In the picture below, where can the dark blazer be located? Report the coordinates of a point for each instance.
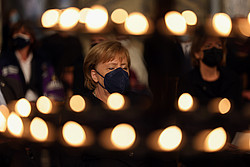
(42, 79)
(227, 86)
(11, 89)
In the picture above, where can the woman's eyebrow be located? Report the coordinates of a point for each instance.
(111, 63)
(124, 63)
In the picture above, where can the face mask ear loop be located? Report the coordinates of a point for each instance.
(98, 81)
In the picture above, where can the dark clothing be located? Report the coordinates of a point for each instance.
(164, 61)
(64, 50)
(99, 117)
(227, 86)
(193, 123)
(11, 89)
(91, 98)
(42, 79)
(135, 100)
(238, 58)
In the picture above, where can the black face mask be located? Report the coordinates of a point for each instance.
(19, 42)
(212, 57)
(116, 81)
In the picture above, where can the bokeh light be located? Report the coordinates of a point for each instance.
(224, 106)
(82, 14)
(119, 16)
(215, 140)
(242, 140)
(39, 129)
(15, 125)
(123, 136)
(73, 134)
(176, 23)
(248, 17)
(190, 17)
(185, 102)
(23, 107)
(243, 26)
(170, 138)
(44, 105)
(222, 24)
(115, 101)
(4, 110)
(4, 114)
(136, 24)
(96, 18)
(2, 122)
(69, 18)
(77, 103)
(50, 18)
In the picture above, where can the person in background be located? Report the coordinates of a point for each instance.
(10, 18)
(210, 79)
(97, 38)
(23, 62)
(65, 52)
(10, 89)
(238, 56)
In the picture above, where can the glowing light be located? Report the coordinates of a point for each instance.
(77, 103)
(83, 14)
(50, 18)
(2, 122)
(15, 125)
(176, 23)
(69, 18)
(23, 107)
(73, 134)
(119, 16)
(4, 114)
(244, 26)
(224, 106)
(222, 24)
(96, 18)
(44, 105)
(215, 140)
(242, 140)
(170, 138)
(4, 110)
(185, 102)
(136, 24)
(39, 129)
(190, 17)
(123, 136)
(115, 101)
(248, 17)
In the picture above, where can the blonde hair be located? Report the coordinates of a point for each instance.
(101, 53)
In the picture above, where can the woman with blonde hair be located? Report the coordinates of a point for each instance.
(106, 70)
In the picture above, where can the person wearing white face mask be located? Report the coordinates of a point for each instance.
(23, 62)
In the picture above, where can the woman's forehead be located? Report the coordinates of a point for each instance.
(117, 59)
